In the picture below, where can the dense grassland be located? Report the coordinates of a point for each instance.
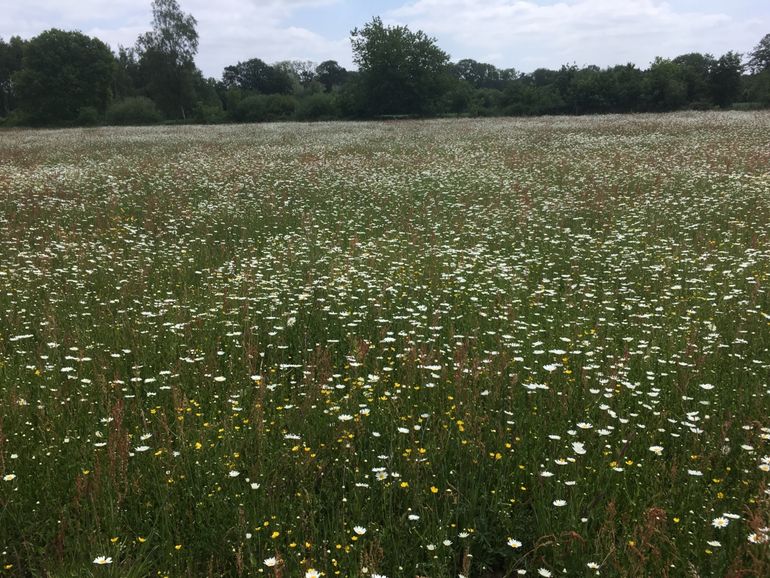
(477, 348)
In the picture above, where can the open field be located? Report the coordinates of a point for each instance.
(464, 347)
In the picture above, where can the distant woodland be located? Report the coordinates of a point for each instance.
(65, 78)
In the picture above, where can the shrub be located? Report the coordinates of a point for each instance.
(18, 118)
(264, 107)
(280, 106)
(88, 116)
(747, 106)
(250, 109)
(702, 105)
(208, 114)
(134, 110)
(320, 106)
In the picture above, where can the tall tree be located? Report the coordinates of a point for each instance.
(627, 82)
(62, 73)
(479, 74)
(664, 88)
(258, 76)
(759, 60)
(166, 58)
(695, 69)
(126, 73)
(10, 62)
(591, 90)
(725, 79)
(401, 72)
(300, 72)
(330, 74)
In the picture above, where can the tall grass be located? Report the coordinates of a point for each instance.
(485, 348)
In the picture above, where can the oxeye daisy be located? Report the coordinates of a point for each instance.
(720, 522)
(102, 560)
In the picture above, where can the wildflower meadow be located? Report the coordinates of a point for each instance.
(476, 348)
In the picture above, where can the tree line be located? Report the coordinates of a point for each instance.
(65, 78)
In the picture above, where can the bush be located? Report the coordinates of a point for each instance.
(133, 111)
(280, 106)
(485, 102)
(88, 116)
(208, 114)
(758, 88)
(702, 105)
(250, 109)
(457, 99)
(320, 106)
(351, 99)
(18, 118)
(264, 107)
(747, 106)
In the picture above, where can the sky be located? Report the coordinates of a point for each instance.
(520, 34)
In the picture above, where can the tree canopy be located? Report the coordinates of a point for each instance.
(759, 60)
(725, 78)
(173, 33)
(258, 76)
(402, 72)
(166, 66)
(66, 78)
(11, 53)
(61, 74)
(331, 75)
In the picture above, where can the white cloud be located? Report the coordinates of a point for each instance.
(229, 30)
(528, 35)
(233, 30)
(525, 34)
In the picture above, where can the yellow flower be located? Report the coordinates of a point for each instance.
(434, 490)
